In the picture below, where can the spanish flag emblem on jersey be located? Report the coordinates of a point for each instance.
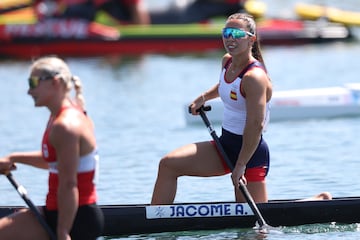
(233, 95)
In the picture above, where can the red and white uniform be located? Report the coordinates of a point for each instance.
(87, 168)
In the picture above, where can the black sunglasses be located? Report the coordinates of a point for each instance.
(34, 81)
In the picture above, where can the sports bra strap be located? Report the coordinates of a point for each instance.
(247, 68)
(251, 65)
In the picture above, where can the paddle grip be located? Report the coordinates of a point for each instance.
(204, 108)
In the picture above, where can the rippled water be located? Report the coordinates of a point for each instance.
(137, 106)
(308, 232)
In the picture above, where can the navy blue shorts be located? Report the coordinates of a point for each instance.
(88, 223)
(232, 145)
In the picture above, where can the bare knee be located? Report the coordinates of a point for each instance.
(324, 196)
(320, 196)
(166, 167)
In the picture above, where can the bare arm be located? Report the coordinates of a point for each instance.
(29, 158)
(255, 85)
(65, 138)
(199, 101)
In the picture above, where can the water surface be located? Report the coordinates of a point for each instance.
(137, 106)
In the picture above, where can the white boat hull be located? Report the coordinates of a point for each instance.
(300, 104)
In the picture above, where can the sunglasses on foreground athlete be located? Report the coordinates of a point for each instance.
(235, 33)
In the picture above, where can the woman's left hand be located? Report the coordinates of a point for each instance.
(6, 165)
(238, 175)
(64, 236)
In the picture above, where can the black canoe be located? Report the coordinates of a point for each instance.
(142, 219)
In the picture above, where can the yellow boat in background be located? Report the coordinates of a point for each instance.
(332, 14)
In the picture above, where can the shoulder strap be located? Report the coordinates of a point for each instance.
(251, 65)
(227, 63)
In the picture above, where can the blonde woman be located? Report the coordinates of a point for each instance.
(69, 152)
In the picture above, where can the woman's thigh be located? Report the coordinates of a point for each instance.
(21, 225)
(197, 159)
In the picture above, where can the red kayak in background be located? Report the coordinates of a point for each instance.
(23, 35)
(79, 38)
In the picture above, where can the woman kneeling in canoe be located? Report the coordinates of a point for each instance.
(69, 152)
(245, 89)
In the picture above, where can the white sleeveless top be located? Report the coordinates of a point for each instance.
(234, 116)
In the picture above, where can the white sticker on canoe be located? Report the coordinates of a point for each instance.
(198, 210)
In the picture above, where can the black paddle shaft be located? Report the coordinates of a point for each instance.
(22, 192)
(242, 186)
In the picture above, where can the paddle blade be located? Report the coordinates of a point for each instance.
(267, 229)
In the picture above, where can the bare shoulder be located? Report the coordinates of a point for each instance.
(69, 122)
(257, 82)
(72, 117)
(73, 128)
(225, 58)
(257, 76)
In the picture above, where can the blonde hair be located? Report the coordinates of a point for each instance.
(251, 27)
(55, 66)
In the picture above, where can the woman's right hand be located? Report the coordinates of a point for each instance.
(238, 174)
(63, 237)
(6, 165)
(196, 104)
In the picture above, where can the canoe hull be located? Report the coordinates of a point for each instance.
(144, 219)
(277, 213)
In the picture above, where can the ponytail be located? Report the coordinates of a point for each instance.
(79, 98)
(256, 52)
